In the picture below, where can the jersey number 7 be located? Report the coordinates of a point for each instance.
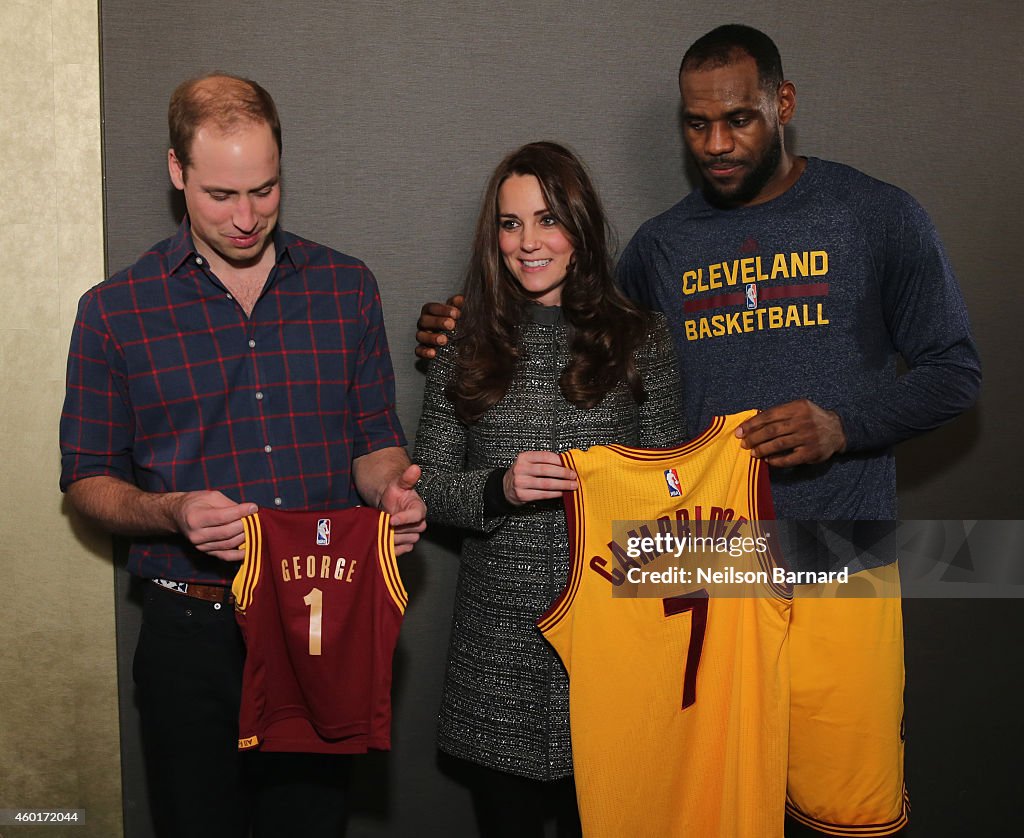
(697, 604)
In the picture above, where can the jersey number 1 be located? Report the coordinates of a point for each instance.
(315, 600)
(697, 604)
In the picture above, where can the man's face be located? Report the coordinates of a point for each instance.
(733, 131)
(232, 191)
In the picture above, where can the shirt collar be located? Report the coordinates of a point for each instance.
(182, 249)
(543, 315)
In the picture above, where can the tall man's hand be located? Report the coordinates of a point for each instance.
(436, 318)
(792, 434)
(406, 508)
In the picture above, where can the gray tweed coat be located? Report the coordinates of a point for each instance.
(506, 695)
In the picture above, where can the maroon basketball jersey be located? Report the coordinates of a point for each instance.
(319, 601)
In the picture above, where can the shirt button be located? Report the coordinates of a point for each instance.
(259, 395)
(199, 260)
(252, 343)
(229, 296)
(267, 448)
(277, 501)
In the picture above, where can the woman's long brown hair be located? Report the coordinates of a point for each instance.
(607, 327)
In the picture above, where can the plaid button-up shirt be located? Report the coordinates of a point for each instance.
(173, 388)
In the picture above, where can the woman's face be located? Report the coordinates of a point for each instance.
(534, 245)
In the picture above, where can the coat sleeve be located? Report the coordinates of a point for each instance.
(454, 495)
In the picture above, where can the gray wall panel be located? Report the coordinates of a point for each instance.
(394, 116)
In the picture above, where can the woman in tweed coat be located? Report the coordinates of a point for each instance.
(548, 356)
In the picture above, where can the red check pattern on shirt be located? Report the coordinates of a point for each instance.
(171, 387)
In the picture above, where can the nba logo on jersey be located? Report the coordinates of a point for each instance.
(323, 532)
(675, 488)
(751, 294)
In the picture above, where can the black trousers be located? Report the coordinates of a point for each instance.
(188, 676)
(510, 806)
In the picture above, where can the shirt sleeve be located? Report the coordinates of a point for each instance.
(97, 423)
(372, 387)
(453, 494)
(927, 320)
(632, 273)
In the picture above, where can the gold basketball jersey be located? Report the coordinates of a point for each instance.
(678, 689)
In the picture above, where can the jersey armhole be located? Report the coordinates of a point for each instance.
(576, 522)
(389, 563)
(762, 518)
(248, 575)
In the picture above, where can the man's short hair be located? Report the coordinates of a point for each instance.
(720, 46)
(225, 100)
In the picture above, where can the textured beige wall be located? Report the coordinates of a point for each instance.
(58, 698)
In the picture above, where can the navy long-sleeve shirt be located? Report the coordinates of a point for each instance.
(815, 295)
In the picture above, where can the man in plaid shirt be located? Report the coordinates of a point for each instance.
(233, 366)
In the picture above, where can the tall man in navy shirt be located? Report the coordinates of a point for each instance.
(793, 285)
(233, 366)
